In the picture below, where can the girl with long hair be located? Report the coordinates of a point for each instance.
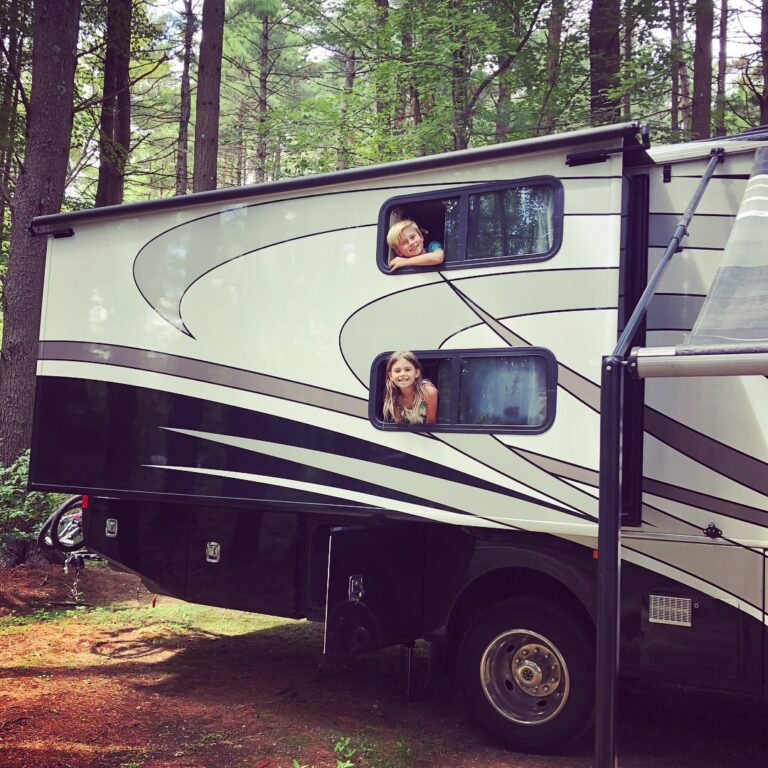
(408, 398)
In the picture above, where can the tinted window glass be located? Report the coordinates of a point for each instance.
(503, 391)
(451, 230)
(511, 222)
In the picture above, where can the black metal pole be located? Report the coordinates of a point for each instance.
(608, 562)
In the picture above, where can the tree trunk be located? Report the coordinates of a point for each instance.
(764, 60)
(721, 62)
(115, 122)
(343, 154)
(241, 162)
(382, 16)
(503, 109)
(701, 115)
(182, 143)
(276, 164)
(629, 29)
(604, 58)
(39, 191)
(208, 86)
(674, 51)
(9, 103)
(547, 116)
(263, 105)
(460, 79)
(685, 84)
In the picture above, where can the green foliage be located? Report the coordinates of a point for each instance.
(22, 512)
(351, 752)
(345, 752)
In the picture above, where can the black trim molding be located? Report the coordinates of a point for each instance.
(43, 225)
(378, 375)
(459, 260)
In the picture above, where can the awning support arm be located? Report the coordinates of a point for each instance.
(622, 345)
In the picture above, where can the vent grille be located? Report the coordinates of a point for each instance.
(669, 610)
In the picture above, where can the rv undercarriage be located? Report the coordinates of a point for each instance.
(517, 606)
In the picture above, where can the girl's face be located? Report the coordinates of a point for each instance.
(411, 242)
(403, 373)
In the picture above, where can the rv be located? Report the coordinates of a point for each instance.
(212, 375)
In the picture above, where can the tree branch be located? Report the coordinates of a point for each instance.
(16, 76)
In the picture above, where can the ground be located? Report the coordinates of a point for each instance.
(100, 674)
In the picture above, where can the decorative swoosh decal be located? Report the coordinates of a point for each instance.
(463, 496)
(167, 266)
(692, 498)
(201, 370)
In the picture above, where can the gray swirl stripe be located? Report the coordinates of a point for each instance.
(199, 370)
(582, 389)
(738, 466)
(727, 461)
(686, 496)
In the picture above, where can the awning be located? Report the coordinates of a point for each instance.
(730, 336)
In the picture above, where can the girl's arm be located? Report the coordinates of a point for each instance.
(431, 398)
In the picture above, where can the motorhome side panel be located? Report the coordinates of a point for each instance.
(227, 353)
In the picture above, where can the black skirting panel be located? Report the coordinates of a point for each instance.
(106, 438)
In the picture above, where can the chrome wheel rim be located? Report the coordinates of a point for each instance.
(524, 677)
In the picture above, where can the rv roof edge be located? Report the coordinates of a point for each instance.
(44, 225)
(670, 362)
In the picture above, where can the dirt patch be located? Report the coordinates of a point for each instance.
(38, 585)
(122, 684)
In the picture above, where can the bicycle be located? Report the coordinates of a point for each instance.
(63, 530)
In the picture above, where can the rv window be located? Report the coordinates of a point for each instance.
(520, 221)
(510, 222)
(480, 391)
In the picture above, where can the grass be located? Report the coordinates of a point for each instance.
(212, 738)
(178, 616)
(351, 752)
(171, 624)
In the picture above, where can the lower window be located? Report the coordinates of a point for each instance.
(509, 390)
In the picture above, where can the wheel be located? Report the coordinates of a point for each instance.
(66, 526)
(526, 668)
(44, 543)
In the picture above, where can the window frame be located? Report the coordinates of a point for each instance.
(377, 374)
(462, 193)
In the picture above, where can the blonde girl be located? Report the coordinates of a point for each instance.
(408, 398)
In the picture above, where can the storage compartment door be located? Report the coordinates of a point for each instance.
(375, 587)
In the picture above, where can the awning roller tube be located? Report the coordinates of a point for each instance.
(657, 362)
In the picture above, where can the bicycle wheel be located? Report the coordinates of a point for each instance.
(66, 528)
(44, 542)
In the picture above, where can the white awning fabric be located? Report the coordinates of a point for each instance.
(730, 336)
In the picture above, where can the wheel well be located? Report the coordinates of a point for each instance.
(498, 585)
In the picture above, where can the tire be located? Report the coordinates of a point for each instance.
(66, 526)
(526, 669)
(44, 543)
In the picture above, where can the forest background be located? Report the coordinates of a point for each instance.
(111, 101)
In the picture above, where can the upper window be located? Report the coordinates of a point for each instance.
(481, 224)
(509, 390)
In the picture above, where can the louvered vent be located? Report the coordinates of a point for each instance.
(669, 610)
